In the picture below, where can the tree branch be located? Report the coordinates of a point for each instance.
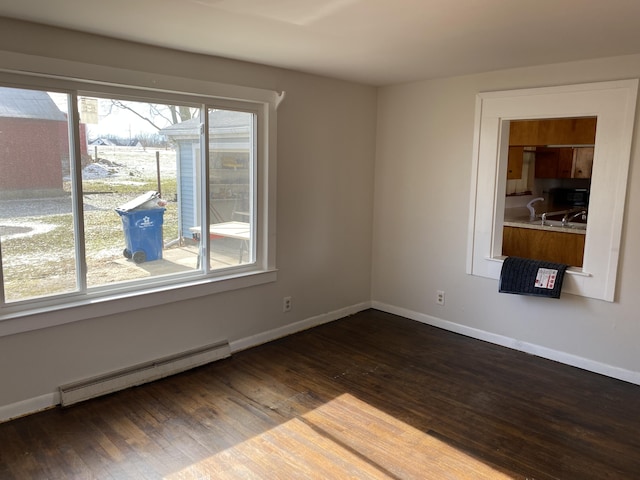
(122, 105)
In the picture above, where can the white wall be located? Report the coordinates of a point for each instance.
(326, 148)
(423, 172)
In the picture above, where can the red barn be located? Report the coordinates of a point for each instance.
(34, 144)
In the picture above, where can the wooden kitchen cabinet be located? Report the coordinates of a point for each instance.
(546, 163)
(582, 162)
(567, 248)
(514, 165)
(554, 162)
(553, 131)
(565, 162)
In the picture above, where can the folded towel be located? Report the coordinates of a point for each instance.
(524, 276)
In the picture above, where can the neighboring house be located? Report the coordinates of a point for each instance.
(34, 152)
(102, 142)
(229, 144)
(105, 142)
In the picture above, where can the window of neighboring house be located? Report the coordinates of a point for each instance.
(612, 105)
(105, 195)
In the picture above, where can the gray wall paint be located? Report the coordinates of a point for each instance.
(326, 143)
(423, 173)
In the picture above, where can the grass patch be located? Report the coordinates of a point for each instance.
(45, 264)
(169, 187)
(44, 261)
(38, 249)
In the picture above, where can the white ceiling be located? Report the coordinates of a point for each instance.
(377, 42)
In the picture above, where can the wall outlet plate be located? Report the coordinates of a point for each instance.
(286, 304)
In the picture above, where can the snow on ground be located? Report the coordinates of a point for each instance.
(12, 229)
(97, 170)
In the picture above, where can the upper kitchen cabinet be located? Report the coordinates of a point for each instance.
(553, 162)
(553, 131)
(514, 164)
(582, 162)
(563, 162)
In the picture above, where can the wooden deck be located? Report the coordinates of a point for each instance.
(177, 260)
(371, 396)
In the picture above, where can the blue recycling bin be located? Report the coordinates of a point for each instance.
(142, 233)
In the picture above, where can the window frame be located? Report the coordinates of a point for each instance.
(26, 72)
(614, 104)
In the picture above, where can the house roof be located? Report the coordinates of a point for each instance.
(21, 103)
(226, 123)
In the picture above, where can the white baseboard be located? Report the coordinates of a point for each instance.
(533, 349)
(29, 406)
(49, 400)
(291, 328)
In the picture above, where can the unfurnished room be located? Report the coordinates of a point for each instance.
(282, 239)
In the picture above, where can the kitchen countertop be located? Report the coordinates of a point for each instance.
(519, 218)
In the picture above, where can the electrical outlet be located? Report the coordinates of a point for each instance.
(440, 297)
(286, 304)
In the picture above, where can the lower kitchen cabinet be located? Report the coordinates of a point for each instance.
(567, 248)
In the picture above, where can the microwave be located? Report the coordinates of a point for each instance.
(569, 197)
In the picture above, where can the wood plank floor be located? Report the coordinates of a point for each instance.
(371, 396)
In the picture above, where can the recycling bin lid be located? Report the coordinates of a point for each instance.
(138, 201)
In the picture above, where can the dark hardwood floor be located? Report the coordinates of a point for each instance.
(369, 396)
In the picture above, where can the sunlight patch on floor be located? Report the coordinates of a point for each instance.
(344, 438)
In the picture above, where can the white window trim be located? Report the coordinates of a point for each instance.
(29, 70)
(614, 103)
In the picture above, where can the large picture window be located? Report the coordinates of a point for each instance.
(104, 194)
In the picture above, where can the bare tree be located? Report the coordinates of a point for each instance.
(158, 116)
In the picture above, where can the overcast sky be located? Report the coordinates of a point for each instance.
(114, 121)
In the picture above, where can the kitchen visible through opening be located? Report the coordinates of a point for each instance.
(548, 183)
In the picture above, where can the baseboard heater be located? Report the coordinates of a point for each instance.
(142, 373)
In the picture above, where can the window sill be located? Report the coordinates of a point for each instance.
(91, 307)
(570, 271)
